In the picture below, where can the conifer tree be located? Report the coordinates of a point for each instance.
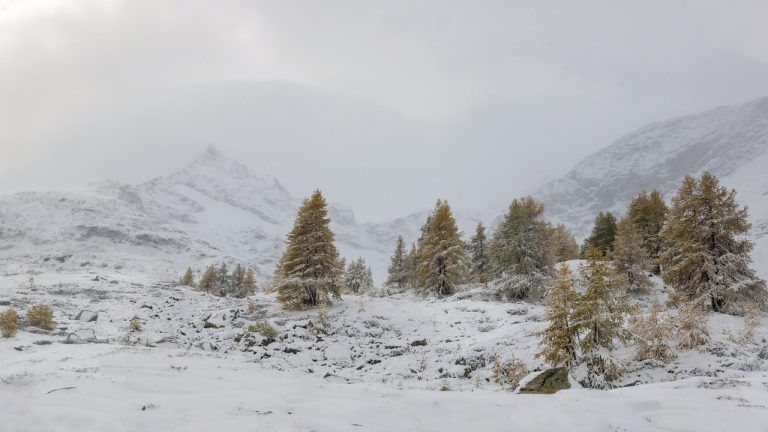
(559, 340)
(602, 236)
(309, 273)
(188, 279)
(519, 250)
(600, 311)
(480, 265)
(442, 265)
(358, 277)
(249, 282)
(707, 253)
(208, 280)
(563, 246)
(692, 330)
(223, 281)
(398, 271)
(648, 212)
(652, 332)
(412, 266)
(630, 256)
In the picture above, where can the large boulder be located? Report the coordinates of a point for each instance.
(548, 382)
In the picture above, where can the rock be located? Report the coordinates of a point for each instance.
(208, 324)
(548, 382)
(763, 354)
(42, 342)
(5, 302)
(422, 342)
(87, 316)
(291, 350)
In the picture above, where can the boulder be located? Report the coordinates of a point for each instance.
(548, 382)
(87, 316)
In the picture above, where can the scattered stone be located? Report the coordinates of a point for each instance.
(87, 316)
(548, 382)
(422, 342)
(763, 354)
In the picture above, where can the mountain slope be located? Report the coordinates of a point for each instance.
(214, 209)
(731, 142)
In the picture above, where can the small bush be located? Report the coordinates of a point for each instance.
(9, 323)
(509, 374)
(41, 316)
(264, 329)
(135, 324)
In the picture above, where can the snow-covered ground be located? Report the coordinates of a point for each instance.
(395, 363)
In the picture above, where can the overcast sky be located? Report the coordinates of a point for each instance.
(385, 105)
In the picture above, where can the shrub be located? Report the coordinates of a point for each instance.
(264, 329)
(41, 316)
(509, 374)
(135, 324)
(9, 322)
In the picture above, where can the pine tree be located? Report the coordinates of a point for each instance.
(188, 279)
(519, 250)
(358, 277)
(562, 245)
(208, 280)
(648, 212)
(442, 265)
(238, 287)
(652, 332)
(309, 274)
(602, 236)
(249, 282)
(630, 257)
(559, 340)
(707, 253)
(480, 265)
(398, 271)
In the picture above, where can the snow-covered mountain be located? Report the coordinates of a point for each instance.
(731, 142)
(214, 209)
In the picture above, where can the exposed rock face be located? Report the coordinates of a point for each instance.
(548, 382)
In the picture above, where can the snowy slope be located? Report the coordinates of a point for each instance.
(214, 209)
(731, 142)
(179, 373)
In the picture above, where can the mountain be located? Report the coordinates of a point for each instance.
(731, 142)
(214, 209)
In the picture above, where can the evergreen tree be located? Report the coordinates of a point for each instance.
(480, 265)
(398, 271)
(600, 311)
(188, 279)
(309, 272)
(630, 256)
(599, 314)
(249, 282)
(208, 280)
(602, 236)
(412, 266)
(692, 328)
(707, 253)
(648, 212)
(652, 332)
(562, 245)
(519, 250)
(442, 265)
(238, 280)
(223, 281)
(559, 340)
(358, 277)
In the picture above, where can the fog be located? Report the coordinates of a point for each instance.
(385, 106)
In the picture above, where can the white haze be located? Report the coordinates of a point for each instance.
(384, 105)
